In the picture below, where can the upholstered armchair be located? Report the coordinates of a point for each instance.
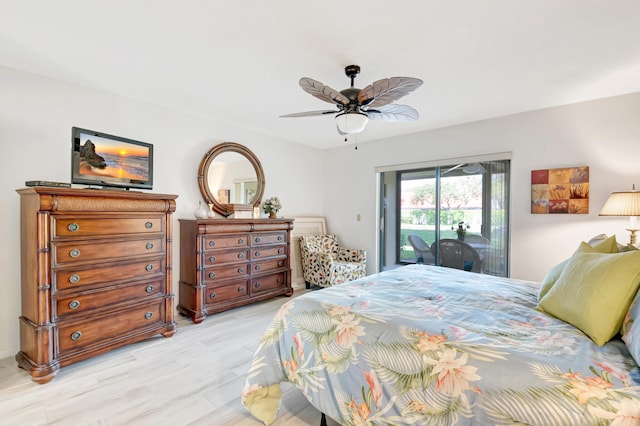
(325, 262)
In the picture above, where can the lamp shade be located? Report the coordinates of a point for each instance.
(351, 122)
(622, 204)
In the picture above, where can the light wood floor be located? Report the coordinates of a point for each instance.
(193, 378)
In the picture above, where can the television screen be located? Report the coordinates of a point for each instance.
(106, 160)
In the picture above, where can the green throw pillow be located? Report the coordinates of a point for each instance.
(606, 245)
(594, 291)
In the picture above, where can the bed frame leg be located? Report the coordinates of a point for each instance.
(323, 420)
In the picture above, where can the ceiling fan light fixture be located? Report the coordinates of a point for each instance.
(351, 122)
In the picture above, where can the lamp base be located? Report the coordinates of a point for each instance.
(632, 236)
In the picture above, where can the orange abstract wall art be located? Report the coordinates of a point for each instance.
(564, 190)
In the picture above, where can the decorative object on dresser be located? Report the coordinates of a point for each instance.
(272, 206)
(201, 212)
(96, 273)
(226, 263)
(234, 166)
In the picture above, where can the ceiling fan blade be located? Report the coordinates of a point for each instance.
(310, 113)
(393, 112)
(387, 90)
(322, 92)
(452, 168)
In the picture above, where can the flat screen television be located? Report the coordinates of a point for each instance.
(111, 161)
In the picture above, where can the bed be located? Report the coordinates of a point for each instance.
(426, 345)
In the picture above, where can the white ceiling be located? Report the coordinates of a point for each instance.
(240, 61)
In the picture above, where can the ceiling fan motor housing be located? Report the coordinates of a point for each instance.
(352, 94)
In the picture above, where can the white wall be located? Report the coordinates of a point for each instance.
(36, 116)
(602, 134)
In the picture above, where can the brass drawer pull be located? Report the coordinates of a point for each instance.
(149, 267)
(240, 270)
(280, 251)
(257, 285)
(212, 295)
(212, 243)
(280, 238)
(240, 255)
(149, 246)
(148, 315)
(240, 289)
(240, 241)
(212, 259)
(76, 335)
(281, 263)
(74, 279)
(257, 267)
(257, 254)
(149, 289)
(73, 227)
(148, 225)
(74, 304)
(212, 274)
(257, 239)
(74, 253)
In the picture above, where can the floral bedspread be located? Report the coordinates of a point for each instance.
(423, 345)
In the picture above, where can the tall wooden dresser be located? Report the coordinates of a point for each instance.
(226, 263)
(96, 273)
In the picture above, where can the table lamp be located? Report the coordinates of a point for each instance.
(624, 204)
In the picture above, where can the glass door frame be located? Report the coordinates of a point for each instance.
(384, 204)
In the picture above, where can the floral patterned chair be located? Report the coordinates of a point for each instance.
(326, 263)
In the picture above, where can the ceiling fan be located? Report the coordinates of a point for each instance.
(356, 107)
(469, 168)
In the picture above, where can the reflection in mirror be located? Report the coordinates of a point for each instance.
(231, 178)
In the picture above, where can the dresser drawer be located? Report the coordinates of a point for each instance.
(210, 258)
(269, 251)
(214, 295)
(235, 271)
(84, 227)
(268, 265)
(268, 238)
(77, 335)
(79, 251)
(81, 303)
(108, 274)
(225, 241)
(268, 282)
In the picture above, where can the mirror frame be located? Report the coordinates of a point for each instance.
(203, 179)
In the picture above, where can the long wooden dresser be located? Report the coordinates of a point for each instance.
(226, 263)
(96, 273)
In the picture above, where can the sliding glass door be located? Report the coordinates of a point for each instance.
(467, 202)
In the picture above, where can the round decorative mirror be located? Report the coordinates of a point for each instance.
(231, 178)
